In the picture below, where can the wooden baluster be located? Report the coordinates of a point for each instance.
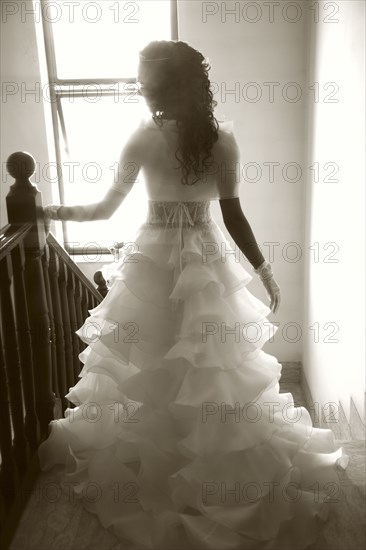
(41, 343)
(78, 308)
(9, 478)
(24, 205)
(84, 302)
(59, 329)
(66, 324)
(12, 365)
(84, 306)
(57, 413)
(79, 311)
(25, 347)
(91, 301)
(72, 312)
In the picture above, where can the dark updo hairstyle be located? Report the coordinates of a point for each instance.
(178, 83)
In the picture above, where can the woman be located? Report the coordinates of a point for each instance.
(179, 425)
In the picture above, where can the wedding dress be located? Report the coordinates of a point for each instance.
(180, 438)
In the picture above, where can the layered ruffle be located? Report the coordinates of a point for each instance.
(179, 437)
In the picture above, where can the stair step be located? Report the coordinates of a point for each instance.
(291, 371)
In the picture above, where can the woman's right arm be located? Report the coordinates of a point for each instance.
(240, 230)
(228, 156)
(242, 234)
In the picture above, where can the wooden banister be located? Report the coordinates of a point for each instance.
(44, 299)
(12, 236)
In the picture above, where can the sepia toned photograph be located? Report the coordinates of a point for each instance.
(182, 275)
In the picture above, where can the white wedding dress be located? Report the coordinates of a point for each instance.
(180, 438)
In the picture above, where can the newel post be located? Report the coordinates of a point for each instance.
(24, 200)
(24, 205)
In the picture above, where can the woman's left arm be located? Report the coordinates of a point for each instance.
(102, 210)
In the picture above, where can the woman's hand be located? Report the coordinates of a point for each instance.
(273, 290)
(50, 213)
(274, 293)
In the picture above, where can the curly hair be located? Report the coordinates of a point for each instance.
(178, 84)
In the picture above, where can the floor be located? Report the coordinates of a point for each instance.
(65, 525)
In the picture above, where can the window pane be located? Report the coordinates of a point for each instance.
(102, 39)
(96, 133)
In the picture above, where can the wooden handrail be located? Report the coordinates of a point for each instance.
(11, 236)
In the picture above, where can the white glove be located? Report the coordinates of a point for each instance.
(50, 213)
(273, 290)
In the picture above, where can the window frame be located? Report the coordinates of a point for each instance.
(60, 88)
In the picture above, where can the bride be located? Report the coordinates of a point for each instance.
(179, 438)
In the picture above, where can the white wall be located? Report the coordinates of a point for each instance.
(241, 52)
(25, 116)
(334, 292)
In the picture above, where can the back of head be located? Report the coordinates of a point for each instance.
(174, 81)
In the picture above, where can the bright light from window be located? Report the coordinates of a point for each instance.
(102, 39)
(96, 41)
(97, 132)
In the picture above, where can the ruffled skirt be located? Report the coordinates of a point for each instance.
(180, 438)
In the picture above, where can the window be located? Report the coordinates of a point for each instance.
(92, 58)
